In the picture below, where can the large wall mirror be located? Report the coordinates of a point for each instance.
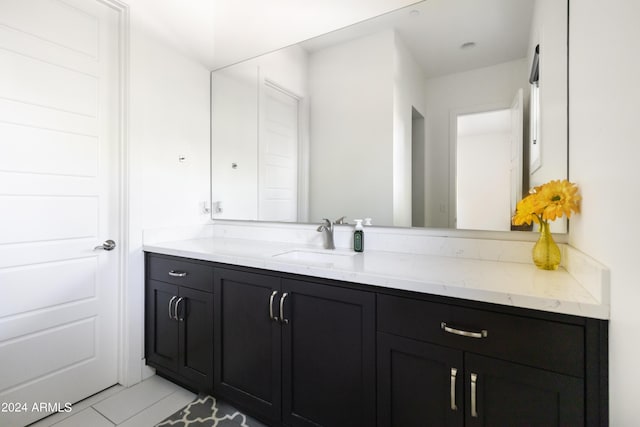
(441, 114)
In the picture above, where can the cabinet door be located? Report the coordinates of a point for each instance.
(419, 384)
(247, 342)
(507, 394)
(195, 313)
(328, 356)
(161, 335)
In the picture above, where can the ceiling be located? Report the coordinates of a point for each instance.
(435, 30)
(217, 33)
(221, 32)
(248, 28)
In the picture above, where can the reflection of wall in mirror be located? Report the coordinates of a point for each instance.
(351, 164)
(363, 93)
(233, 158)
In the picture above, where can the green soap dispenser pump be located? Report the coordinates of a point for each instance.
(358, 236)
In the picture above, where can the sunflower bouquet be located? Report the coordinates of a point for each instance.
(546, 203)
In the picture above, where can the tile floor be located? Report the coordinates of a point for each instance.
(142, 405)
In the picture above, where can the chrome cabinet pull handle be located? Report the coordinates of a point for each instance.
(454, 372)
(175, 309)
(171, 302)
(282, 318)
(180, 313)
(471, 334)
(174, 273)
(271, 316)
(474, 408)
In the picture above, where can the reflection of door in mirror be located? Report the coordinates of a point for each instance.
(277, 154)
(489, 167)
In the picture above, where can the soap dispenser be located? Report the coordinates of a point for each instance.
(358, 236)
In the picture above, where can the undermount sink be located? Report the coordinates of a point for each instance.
(317, 257)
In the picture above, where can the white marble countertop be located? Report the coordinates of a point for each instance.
(508, 283)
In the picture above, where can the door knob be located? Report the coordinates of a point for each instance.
(108, 245)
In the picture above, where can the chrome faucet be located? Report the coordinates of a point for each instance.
(327, 228)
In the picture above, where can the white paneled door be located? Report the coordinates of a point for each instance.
(278, 154)
(60, 133)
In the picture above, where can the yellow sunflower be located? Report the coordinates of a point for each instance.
(556, 198)
(525, 211)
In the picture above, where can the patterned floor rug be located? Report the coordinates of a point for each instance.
(207, 411)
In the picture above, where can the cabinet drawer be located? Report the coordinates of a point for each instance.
(550, 345)
(180, 272)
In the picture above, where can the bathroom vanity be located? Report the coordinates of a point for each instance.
(298, 336)
(422, 328)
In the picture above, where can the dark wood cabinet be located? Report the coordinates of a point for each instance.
(161, 331)
(195, 337)
(463, 367)
(295, 352)
(419, 384)
(247, 342)
(328, 357)
(179, 326)
(509, 394)
(300, 352)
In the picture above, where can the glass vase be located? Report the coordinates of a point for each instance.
(546, 253)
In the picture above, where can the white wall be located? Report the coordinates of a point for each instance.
(187, 27)
(351, 130)
(603, 107)
(491, 86)
(169, 116)
(549, 30)
(409, 90)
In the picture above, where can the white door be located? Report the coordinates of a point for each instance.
(59, 192)
(277, 155)
(483, 164)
